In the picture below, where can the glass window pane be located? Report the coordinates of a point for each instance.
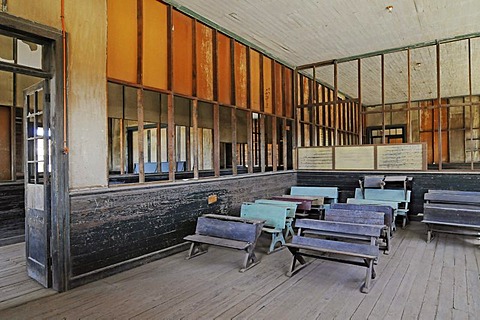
(6, 87)
(6, 49)
(29, 54)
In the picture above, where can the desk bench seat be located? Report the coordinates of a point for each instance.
(398, 199)
(348, 214)
(343, 250)
(275, 218)
(226, 231)
(452, 211)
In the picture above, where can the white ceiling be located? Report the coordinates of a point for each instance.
(300, 32)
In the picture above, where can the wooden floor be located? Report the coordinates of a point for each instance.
(417, 280)
(15, 285)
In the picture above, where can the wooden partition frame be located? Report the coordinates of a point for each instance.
(206, 53)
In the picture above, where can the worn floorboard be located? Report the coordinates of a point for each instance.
(439, 280)
(16, 287)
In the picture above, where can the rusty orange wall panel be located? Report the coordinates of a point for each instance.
(288, 92)
(182, 53)
(306, 90)
(332, 108)
(427, 137)
(224, 64)
(155, 49)
(278, 89)
(5, 144)
(267, 85)
(444, 116)
(204, 51)
(444, 146)
(426, 116)
(122, 40)
(254, 80)
(240, 75)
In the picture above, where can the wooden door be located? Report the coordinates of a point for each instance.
(37, 182)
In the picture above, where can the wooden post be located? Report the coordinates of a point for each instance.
(171, 139)
(216, 139)
(285, 144)
(159, 143)
(261, 118)
(313, 119)
(249, 142)
(360, 106)
(122, 146)
(335, 102)
(383, 98)
(295, 115)
(409, 97)
(234, 140)
(439, 108)
(471, 103)
(141, 153)
(274, 144)
(194, 144)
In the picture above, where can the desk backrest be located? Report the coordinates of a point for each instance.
(291, 206)
(386, 210)
(302, 203)
(339, 227)
(387, 195)
(373, 181)
(228, 229)
(452, 196)
(325, 192)
(274, 216)
(392, 204)
(355, 216)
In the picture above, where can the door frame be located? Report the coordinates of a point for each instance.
(53, 73)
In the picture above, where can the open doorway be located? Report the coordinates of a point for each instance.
(30, 164)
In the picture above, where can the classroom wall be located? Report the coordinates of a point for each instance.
(110, 226)
(86, 23)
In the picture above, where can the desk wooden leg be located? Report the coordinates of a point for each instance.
(296, 257)
(196, 249)
(429, 235)
(368, 278)
(387, 241)
(250, 260)
(276, 237)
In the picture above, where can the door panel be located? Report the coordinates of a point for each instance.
(37, 182)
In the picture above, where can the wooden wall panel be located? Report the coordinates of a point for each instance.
(426, 116)
(427, 137)
(306, 90)
(125, 224)
(204, 51)
(240, 75)
(436, 159)
(122, 40)
(5, 144)
(182, 53)
(224, 62)
(444, 117)
(288, 73)
(278, 89)
(267, 85)
(12, 202)
(254, 80)
(155, 48)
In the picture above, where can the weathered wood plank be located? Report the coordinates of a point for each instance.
(408, 286)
